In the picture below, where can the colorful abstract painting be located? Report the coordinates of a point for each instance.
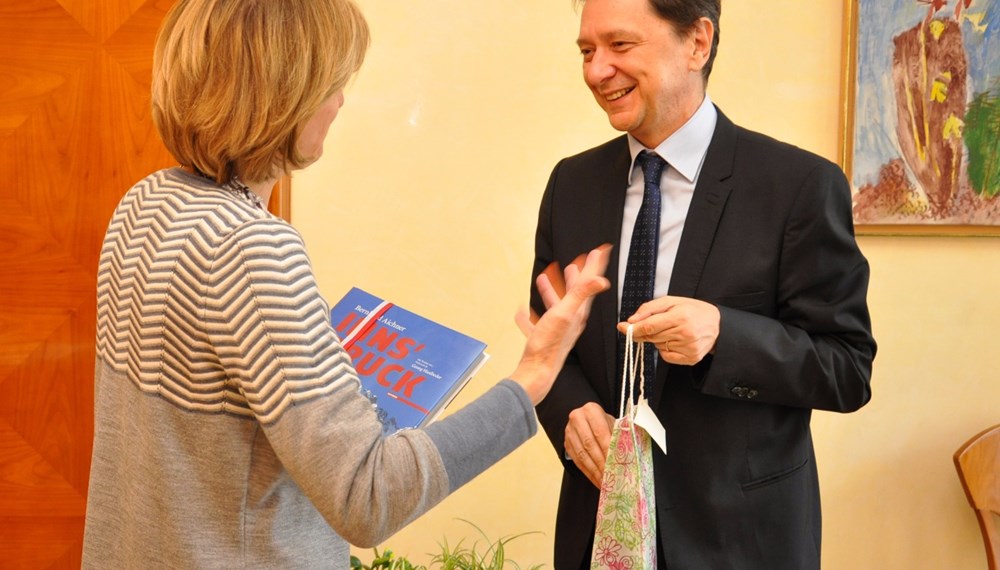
(924, 123)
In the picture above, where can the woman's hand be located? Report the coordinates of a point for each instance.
(554, 334)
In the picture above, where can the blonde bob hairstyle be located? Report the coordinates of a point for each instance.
(234, 81)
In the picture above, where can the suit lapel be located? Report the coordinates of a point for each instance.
(702, 222)
(707, 205)
(612, 202)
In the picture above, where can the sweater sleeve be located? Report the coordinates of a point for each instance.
(275, 341)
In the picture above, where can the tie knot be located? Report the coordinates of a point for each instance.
(652, 166)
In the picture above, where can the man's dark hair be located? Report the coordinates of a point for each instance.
(683, 14)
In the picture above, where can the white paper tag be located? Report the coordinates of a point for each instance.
(647, 420)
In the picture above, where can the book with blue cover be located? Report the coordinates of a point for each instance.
(410, 367)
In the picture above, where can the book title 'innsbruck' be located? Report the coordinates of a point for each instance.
(410, 366)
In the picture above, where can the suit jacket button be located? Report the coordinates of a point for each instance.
(739, 391)
(751, 394)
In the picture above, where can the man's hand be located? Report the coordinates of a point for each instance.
(683, 330)
(588, 435)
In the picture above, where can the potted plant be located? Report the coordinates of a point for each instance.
(458, 557)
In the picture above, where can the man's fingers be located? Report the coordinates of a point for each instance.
(586, 464)
(652, 329)
(591, 467)
(601, 424)
(596, 476)
(653, 307)
(588, 436)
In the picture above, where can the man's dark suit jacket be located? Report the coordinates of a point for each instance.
(769, 239)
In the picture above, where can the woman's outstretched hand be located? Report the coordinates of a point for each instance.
(552, 336)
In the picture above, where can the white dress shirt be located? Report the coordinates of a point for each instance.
(684, 152)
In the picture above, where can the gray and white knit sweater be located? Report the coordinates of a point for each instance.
(229, 427)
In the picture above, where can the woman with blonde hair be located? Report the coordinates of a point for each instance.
(229, 426)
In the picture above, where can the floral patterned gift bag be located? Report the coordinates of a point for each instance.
(626, 518)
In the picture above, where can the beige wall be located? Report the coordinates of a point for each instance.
(428, 194)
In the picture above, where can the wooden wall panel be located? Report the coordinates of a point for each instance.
(75, 133)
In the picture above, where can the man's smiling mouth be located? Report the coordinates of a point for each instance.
(619, 94)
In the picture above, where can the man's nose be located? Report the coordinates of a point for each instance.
(600, 68)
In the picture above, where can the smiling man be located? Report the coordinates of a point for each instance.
(736, 259)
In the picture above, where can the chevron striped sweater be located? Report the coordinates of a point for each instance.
(229, 427)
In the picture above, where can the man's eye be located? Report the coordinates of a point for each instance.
(619, 46)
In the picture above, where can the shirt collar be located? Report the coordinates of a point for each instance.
(684, 150)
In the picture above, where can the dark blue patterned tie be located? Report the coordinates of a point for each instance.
(640, 272)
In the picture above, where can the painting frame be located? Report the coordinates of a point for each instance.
(848, 116)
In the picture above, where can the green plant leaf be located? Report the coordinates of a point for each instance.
(458, 557)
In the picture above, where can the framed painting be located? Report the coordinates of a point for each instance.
(921, 136)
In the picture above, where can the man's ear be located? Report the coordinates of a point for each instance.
(701, 36)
